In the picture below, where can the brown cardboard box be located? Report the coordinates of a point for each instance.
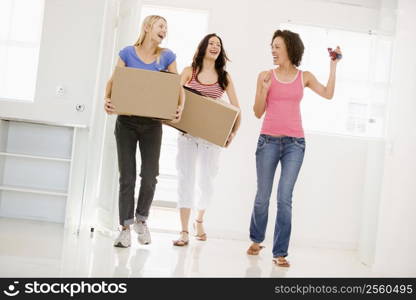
(207, 118)
(145, 93)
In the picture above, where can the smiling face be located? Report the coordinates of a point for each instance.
(213, 48)
(279, 51)
(158, 31)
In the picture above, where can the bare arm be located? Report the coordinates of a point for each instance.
(108, 107)
(232, 96)
(174, 69)
(324, 91)
(186, 75)
(263, 84)
(327, 91)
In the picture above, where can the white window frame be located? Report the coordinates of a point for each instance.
(361, 113)
(9, 43)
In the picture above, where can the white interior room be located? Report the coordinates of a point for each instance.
(354, 201)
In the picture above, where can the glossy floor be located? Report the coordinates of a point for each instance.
(41, 249)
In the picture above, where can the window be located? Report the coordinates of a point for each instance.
(20, 32)
(363, 81)
(186, 28)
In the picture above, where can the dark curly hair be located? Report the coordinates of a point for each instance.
(294, 45)
(219, 62)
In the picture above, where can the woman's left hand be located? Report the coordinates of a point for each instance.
(178, 115)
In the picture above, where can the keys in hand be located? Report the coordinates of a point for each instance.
(335, 54)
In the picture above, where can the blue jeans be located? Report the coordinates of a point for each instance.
(270, 150)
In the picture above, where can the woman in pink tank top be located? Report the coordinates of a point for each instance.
(278, 95)
(198, 159)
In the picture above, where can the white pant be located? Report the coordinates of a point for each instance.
(197, 161)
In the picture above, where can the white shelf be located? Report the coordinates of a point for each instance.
(35, 167)
(42, 122)
(34, 157)
(33, 191)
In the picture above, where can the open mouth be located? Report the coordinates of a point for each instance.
(162, 36)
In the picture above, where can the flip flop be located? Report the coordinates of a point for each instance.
(181, 242)
(281, 262)
(254, 250)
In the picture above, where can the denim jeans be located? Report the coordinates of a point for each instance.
(129, 131)
(270, 150)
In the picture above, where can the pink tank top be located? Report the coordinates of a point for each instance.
(208, 90)
(283, 107)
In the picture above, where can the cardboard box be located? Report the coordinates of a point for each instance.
(207, 118)
(145, 93)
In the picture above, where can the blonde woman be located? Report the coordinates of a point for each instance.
(130, 130)
(207, 76)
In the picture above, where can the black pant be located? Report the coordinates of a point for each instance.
(148, 132)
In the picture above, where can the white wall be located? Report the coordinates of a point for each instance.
(331, 192)
(69, 52)
(336, 184)
(336, 197)
(337, 194)
(396, 240)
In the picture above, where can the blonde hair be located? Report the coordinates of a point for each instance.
(149, 21)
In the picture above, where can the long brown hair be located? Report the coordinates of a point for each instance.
(220, 62)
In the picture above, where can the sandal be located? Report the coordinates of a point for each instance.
(183, 239)
(280, 261)
(199, 237)
(254, 249)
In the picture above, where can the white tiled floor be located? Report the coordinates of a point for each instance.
(40, 249)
